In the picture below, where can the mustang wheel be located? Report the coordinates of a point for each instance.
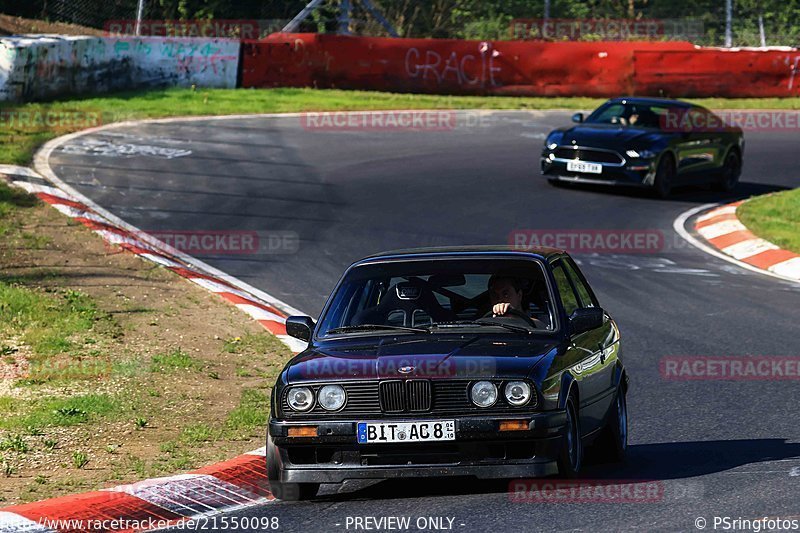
(729, 175)
(665, 173)
(570, 459)
(613, 444)
(290, 492)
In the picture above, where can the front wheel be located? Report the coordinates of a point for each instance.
(665, 174)
(570, 458)
(729, 174)
(612, 445)
(290, 492)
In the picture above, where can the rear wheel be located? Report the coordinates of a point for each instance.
(290, 492)
(570, 459)
(730, 172)
(665, 175)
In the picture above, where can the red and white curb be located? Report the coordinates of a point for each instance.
(267, 311)
(724, 236)
(148, 505)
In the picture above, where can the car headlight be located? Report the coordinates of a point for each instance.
(483, 394)
(552, 140)
(331, 397)
(300, 398)
(641, 154)
(517, 392)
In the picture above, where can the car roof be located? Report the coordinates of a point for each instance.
(652, 101)
(539, 252)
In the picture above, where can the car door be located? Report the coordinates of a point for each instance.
(698, 149)
(584, 354)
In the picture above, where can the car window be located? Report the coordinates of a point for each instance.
(584, 295)
(565, 290)
(427, 293)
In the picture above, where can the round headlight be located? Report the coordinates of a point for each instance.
(517, 392)
(483, 394)
(300, 398)
(331, 397)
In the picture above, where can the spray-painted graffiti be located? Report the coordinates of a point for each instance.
(477, 69)
(48, 66)
(102, 148)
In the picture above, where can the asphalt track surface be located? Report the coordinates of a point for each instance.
(716, 448)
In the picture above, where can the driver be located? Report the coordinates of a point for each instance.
(505, 294)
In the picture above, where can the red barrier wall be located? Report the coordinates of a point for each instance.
(714, 72)
(600, 69)
(443, 66)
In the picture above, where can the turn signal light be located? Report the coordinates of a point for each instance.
(513, 425)
(303, 431)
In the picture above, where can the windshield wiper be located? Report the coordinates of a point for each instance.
(370, 327)
(510, 327)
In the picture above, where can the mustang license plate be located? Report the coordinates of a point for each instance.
(586, 168)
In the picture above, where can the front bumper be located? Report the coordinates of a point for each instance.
(480, 450)
(632, 174)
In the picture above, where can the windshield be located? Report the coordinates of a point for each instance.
(441, 296)
(630, 114)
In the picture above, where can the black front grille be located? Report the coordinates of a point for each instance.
(393, 396)
(419, 395)
(584, 154)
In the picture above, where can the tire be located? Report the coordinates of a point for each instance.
(290, 492)
(612, 445)
(729, 174)
(570, 459)
(665, 174)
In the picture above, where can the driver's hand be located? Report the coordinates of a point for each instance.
(500, 309)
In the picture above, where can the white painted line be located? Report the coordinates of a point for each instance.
(75, 213)
(295, 345)
(748, 248)
(721, 228)
(259, 314)
(14, 170)
(14, 523)
(261, 451)
(679, 225)
(161, 260)
(42, 165)
(34, 188)
(216, 287)
(724, 210)
(789, 268)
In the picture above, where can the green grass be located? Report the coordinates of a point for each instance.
(49, 322)
(16, 414)
(174, 360)
(251, 413)
(18, 144)
(774, 217)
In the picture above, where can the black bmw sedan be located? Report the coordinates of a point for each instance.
(649, 142)
(487, 362)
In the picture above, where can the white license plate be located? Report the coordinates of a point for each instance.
(586, 168)
(424, 431)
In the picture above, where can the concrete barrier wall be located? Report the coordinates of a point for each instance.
(600, 69)
(50, 66)
(444, 66)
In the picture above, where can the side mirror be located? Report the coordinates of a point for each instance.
(300, 327)
(585, 319)
(577, 117)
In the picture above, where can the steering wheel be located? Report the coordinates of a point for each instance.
(516, 313)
